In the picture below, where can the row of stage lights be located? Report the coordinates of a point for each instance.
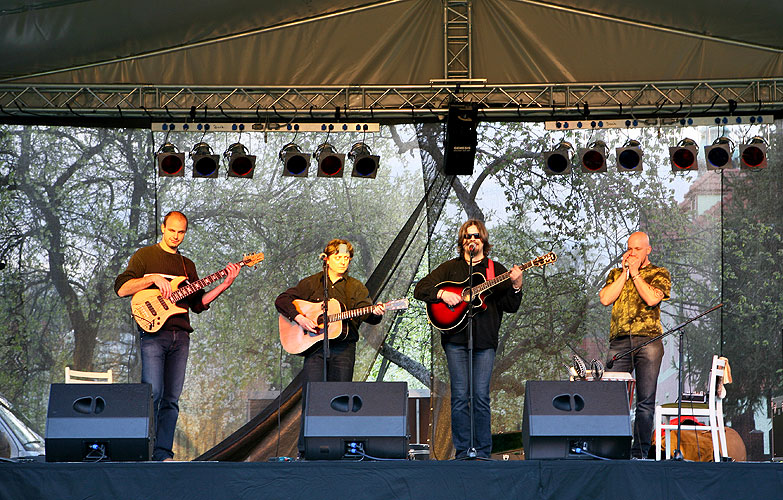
(683, 156)
(206, 164)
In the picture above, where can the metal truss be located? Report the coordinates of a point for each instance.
(21, 103)
(457, 34)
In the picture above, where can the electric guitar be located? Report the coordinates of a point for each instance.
(151, 310)
(449, 319)
(296, 339)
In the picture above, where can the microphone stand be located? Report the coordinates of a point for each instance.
(678, 328)
(325, 309)
(472, 449)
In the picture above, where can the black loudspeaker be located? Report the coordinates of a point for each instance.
(94, 422)
(566, 419)
(342, 417)
(461, 138)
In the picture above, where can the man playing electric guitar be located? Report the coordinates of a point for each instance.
(472, 244)
(352, 294)
(164, 354)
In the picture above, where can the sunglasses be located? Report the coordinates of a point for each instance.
(475, 236)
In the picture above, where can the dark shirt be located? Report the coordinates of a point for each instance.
(350, 292)
(502, 298)
(154, 260)
(630, 314)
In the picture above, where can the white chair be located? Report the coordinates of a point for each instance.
(713, 410)
(81, 377)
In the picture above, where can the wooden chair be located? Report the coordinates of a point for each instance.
(712, 410)
(80, 377)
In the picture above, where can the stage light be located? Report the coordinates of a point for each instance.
(205, 162)
(365, 164)
(240, 164)
(719, 154)
(684, 155)
(753, 155)
(558, 162)
(593, 157)
(629, 157)
(171, 163)
(330, 163)
(295, 163)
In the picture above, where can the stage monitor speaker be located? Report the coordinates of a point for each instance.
(341, 415)
(95, 422)
(461, 138)
(560, 418)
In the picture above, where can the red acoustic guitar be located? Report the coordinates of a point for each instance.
(296, 340)
(449, 319)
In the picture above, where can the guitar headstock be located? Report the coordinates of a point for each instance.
(545, 259)
(396, 305)
(252, 259)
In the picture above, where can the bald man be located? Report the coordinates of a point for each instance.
(635, 292)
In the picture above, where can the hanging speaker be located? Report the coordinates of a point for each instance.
(576, 419)
(342, 419)
(461, 138)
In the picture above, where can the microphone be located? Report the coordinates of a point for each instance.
(322, 256)
(472, 248)
(610, 363)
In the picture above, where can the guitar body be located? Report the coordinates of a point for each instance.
(450, 319)
(151, 310)
(296, 339)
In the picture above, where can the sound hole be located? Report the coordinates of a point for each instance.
(579, 402)
(83, 405)
(357, 403)
(100, 405)
(340, 403)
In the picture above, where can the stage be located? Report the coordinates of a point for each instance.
(515, 479)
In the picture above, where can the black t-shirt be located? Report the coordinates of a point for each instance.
(502, 298)
(154, 260)
(350, 292)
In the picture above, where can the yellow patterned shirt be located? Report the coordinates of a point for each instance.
(630, 314)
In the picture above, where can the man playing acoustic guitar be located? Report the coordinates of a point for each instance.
(352, 294)
(472, 244)
(164, 354)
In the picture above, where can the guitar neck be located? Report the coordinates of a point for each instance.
(194, 287)
(500, 278)
(351, 314)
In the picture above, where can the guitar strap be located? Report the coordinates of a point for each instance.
(490, 269)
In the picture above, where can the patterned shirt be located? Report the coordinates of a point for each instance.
(630, 314)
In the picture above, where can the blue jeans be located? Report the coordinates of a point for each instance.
(646, 363)
(164, 357)
(483, 360)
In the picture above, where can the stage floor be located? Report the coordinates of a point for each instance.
(515, 479)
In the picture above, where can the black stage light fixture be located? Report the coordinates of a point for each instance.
(719, 154)
(330, 163)
(558, 161)
(295, 163)
(171, 163)
(365, 164)
(753, 155)
(461, 138)
(629, 157)
(593, 157)
(684, 155)
(240, 164)
(205, 162)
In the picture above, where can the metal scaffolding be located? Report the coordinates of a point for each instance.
(20, 103)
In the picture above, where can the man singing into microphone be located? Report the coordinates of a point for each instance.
(635, 292)
(352, 294)
(472, 245)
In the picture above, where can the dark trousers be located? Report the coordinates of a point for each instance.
(164, 357)
(339, 369)
(646, 364)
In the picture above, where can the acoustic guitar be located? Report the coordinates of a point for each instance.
(296, 339)
(151, 310)
(450, 319)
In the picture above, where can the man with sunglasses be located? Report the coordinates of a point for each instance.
(472, 246)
